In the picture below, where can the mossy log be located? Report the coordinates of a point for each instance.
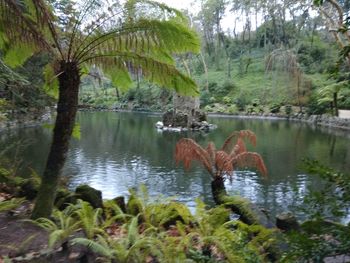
(248, 212)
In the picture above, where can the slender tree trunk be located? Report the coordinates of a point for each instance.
(69, 82)
(218, 190)
(205, 71)
(335, 103)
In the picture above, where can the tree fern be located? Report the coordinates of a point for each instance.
(118, 39)
(220, 163)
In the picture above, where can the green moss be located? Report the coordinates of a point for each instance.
(218, 216)
(242, 207)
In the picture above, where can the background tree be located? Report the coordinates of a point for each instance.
(119, 40)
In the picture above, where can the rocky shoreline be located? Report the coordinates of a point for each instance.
(318, 120)
(29, 119)
(35, 118)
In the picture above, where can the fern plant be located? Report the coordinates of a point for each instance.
(207, 236)
(61, 227)
(139, 37)
(10, 204)
(221, 163)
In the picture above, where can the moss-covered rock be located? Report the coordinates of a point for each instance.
(90, 195)
(248, 212)
(287, 222)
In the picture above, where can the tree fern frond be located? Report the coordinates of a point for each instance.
(188, 150)
(250, 159)
(25, 24)
(142, 36)
(165, 9)
(223, 163)
(238, 148)
(211, 150)
(155, 71)
(232, 139)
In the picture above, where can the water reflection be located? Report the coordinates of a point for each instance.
(118, 151)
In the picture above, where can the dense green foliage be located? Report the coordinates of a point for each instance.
(283, 61)
(163, 232)
(321, 236)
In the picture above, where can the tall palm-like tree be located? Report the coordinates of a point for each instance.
(221, 163)
(140, 36)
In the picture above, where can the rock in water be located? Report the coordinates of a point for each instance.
(287, 222)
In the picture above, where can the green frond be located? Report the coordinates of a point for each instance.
(89, 219)
(26, 22)
(10, 204)
(56, 236)
(51, 81)
(96, 246)
(161, 7)
(119, 76)
(151, 37)
(153, 70)
(133, 230)
(17, 54)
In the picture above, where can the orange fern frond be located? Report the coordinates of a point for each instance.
(238, 148)
(223, 162)
(211, 150)
(250, 159)
(187, 150)
(231, 140)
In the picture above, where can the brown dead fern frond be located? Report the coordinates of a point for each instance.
(187, 150)
(251, 160)
(231, 140)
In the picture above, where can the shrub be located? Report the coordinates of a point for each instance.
(232, 109)
(275, 107)
(227, 100)
(288, 109)
(241, 103)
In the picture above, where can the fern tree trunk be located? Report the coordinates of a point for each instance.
(218, 190)
(69, 81)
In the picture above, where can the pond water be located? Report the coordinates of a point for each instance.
(118, 151)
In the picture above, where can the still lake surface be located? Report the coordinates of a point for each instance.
(118, 151)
